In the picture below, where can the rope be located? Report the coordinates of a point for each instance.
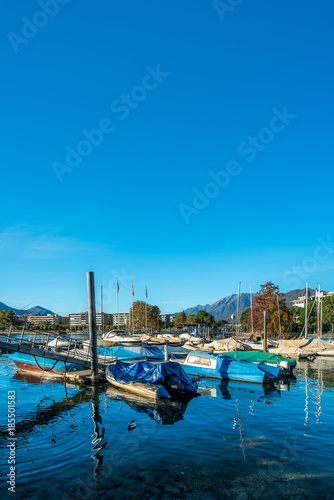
(308, 317)
(45, 369)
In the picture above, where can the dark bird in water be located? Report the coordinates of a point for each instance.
(131, 425)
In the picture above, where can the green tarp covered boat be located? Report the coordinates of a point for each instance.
(262, 357)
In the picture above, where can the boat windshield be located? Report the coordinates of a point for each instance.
(197, 360)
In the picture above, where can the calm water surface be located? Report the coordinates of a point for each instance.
(232, 441)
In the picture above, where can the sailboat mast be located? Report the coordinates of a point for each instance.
(318, 313)
(237, 323)
(306, 312)
(279, 317)
(251, 307)
(321, 317)
(101, 307)
(145, 310)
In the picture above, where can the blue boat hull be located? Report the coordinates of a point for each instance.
(41, 366)
(229, 368)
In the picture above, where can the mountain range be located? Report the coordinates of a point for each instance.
(33, 311)
(225, 307)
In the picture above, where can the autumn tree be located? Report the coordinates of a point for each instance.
(180, 318)
(191, 318)
(267, 300)
(138, 316)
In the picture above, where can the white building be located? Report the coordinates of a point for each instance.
(300, 302)
(164, 318)
(120, 319)
(81, 319)
(50, 319)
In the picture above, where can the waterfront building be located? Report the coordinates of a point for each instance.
(49, 319)
(81, 319)
(121, 318)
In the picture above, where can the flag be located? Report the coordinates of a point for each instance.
(133, 293)
(117, 287)
(145, 291)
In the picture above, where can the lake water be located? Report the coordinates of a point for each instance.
(232, 441)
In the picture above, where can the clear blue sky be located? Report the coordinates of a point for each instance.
(180, 90)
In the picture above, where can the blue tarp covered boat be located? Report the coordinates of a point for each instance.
(119, 352)
(148, 352)
(174, 351)
(150, 380)
(207, 364)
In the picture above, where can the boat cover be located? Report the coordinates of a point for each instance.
(149, 373)
(233, 368)
(149, 352)
(175, 350)
(119, 352)
(260, 357)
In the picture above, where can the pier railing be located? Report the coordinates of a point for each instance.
(67, 350)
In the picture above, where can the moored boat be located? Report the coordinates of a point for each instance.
(205, 364)
(37, 365)
(120, 338)
(149, 380)
(285, 364)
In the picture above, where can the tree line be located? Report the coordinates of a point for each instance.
(289, 320)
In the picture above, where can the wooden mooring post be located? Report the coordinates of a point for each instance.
(92, 327)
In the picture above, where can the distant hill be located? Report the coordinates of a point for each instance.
(294, 294)
(225, 307)
(34, 311)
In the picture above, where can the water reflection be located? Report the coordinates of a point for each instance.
(99, 434)
(164, 412)
(232, 390)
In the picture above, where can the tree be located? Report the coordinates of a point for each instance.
(311, 314)
(138, 317)
(191, 318)
(328, 311)
(221, 323)
(180, 318)
(9, 317)
(266, 300)
(205, 317)
(245, 319)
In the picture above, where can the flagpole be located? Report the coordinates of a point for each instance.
(129, 312)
